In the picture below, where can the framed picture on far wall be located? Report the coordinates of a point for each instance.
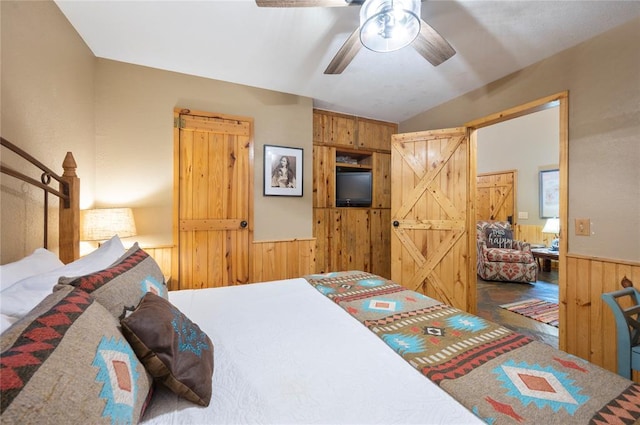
(549, 193)
(282, 171)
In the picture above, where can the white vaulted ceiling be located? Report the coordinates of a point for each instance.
(288, 49)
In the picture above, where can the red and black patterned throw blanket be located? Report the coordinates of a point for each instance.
(500, 375)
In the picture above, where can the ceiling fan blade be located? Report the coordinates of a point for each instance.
(431, 45)
(302, 3)
(346, 54)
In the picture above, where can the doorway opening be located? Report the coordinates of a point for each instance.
(525, 215)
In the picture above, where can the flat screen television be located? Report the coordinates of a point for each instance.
(353, 188)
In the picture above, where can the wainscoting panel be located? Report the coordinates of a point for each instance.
(271, 260)
(532, 234)
(587, 326)
(282, 259)
(162, 255)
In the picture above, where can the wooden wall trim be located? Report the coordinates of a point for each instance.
(604, 259)
(520, 110)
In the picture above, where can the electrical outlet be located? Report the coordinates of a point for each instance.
(583, 227)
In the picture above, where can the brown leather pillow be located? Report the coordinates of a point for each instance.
(173, 349)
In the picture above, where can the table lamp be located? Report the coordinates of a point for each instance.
(553, 226)
(102, 224)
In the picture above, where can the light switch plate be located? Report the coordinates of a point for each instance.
(583, 227)
(523, 215)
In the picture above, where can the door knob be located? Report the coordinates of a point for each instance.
(396, 223)
(243, 224)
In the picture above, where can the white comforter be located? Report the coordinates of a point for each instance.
(286, 354)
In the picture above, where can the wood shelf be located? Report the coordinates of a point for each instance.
(358, 159)
(351, 165)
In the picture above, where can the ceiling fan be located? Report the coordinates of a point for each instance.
(385, 26)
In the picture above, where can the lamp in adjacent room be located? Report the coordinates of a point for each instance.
(553, 226)
(102, 224)
(388, 25)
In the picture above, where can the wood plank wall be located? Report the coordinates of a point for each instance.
(271, 260)
(532, 234)
(162, 255)
(589, 327)
(282, 259)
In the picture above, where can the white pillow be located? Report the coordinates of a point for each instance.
(99, 259)
(40, 261)
(20, 298)
(6, 322)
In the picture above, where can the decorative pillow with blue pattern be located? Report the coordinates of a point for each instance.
(121, 286)
(174, 350)
(66, 362)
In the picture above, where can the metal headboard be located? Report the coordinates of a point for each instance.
(64, 193)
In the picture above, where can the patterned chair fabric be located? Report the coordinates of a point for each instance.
(515, 264)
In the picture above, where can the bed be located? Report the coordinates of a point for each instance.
(101, 340)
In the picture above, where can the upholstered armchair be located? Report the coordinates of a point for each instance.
(502, 258)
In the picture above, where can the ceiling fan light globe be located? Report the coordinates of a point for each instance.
(388, 25)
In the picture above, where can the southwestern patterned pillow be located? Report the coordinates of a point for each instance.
(66, 362)
(173, 348)
(121, 286)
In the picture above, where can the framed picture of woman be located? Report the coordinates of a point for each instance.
(282, 171)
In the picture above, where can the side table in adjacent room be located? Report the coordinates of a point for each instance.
(546, 255)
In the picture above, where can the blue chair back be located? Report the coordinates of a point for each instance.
(627, 329)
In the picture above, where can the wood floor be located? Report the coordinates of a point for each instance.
(492, 294)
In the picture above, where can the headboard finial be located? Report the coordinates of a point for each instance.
(69, 165)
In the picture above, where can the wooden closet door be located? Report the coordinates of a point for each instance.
(214, 196)
(430, 214)
(495, 196)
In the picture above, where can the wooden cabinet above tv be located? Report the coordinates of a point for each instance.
(351, 132)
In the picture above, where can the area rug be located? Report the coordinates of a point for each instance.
(540, 310)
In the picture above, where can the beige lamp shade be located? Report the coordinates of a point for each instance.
(103, 223)
(552, 226)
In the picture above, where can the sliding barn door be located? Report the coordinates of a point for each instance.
(430, 215)
(214, 186)
(495, 196)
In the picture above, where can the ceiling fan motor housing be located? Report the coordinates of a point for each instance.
(388, 25)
